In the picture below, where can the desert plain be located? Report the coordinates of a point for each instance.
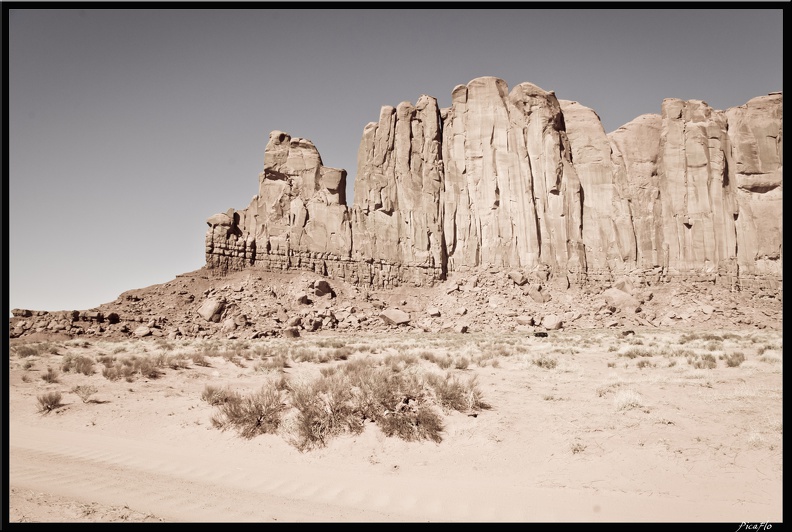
(645, 425)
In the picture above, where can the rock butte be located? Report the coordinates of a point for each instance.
(521, 180)
(508, 211)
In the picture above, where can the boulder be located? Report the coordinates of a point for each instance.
(621, 300)
(518, 277)
(142, 331)
(210, 309)
(394, 316)
(551, 322)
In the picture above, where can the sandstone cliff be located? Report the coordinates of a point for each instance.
(520, 180)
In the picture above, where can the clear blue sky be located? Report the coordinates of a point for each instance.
(129, 128)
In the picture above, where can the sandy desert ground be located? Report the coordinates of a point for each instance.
(584, 425)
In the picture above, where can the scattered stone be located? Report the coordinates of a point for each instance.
(434, 312)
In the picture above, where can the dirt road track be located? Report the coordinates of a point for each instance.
(180, 485)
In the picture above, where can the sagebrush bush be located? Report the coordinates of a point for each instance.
(635, 352)
(49, 401)
(218, 396)
(24, 351)
(199, 359)
(705, 362)
(398, 403)
(734, 360)
(325, 409)
(80, 364)
(462, 363)
(627, 399)
(275, 363)
(451, 393)
(51, 376)
(257, 413)
(545, 361)
(84, 392)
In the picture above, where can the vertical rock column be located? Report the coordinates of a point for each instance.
(696, 195)
(634, 154)
(512, 197)
(396, 220)
(608, 233)
(756, 135)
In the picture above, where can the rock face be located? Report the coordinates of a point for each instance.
(518, 180)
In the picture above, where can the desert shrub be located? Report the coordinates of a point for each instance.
(577, 448)
(672, 363)
(305, 355)
(627, 399)
(330, 370)
(276, 363)
(146, 368)
(612, 348)
(25, 378)
(106, 360)
(24, 351)
(217, 396)
(111, 373)
(283, 383)
(413, 423)
(257, 413)
(164, 344)
(334, 343)
(644, 364)
(400, 362)
(28, 364)
(398, 403)
(635, 352)
(443, 362)
(679, 353)
(51, 376)
(705, 362)
(712, 346)
(545, 361)
(199, 359)
(462, 363)
(342, 353)
(358, 366)
(771, 358)
(325, 409)
(453, 394)
(234, 357)
(734, 360)
(84, 392)
(49, 401)
(177, 362)
(80, 364)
